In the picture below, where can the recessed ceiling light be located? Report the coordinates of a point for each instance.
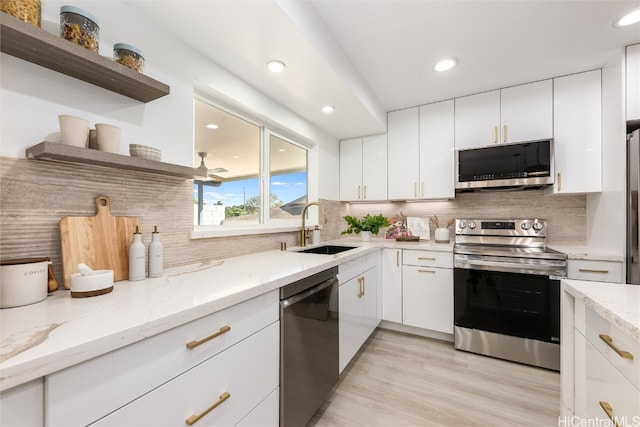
(629, 18)
(212, 126)
(445, 64)
(328, 109)
(276, 66)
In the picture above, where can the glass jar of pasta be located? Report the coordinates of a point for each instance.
(79, 27)
(129, 56)
(29, 11)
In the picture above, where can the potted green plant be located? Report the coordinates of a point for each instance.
(370, 224)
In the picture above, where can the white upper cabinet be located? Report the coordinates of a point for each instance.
(436, 150)
(633, 82)
(477, 119)
(518, 113)
(363, 168)
(421, 161)
(526, 112)
(403, 149)
(577, 114)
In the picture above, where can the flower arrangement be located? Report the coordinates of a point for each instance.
(372, 223)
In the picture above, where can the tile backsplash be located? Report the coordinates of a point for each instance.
(34, 195)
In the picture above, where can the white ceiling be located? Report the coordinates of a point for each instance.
(368, 57)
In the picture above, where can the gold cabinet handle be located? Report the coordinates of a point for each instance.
(504, 133)
(559, 181)
(426, 271)
(364, 193)
(194, 344)
(495, 134)
(358, 192)
(422, 189)
(426, 258)
(606, 406)
(364, 286)
(360, 291)
(194, 418)
(609, 341)
(397, 258)
(588, 270)
(415, 189)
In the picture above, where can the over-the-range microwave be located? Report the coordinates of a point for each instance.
(510, 166)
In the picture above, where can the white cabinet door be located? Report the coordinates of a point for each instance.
(477, 120)
(526, 112)
(392, 285)
(23, 405)
(351, 169)
(633, 81)
(427, 295)
(370, 302)
(350, 320)
(436, 150)
(374, 167)
(577, 128)
(403, 151)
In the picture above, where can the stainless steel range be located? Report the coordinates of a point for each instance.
(507, 290)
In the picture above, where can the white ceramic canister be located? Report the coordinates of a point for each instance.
(23, 281)
(442, 235)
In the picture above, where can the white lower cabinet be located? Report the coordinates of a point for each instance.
(595, 270)
(177, 373)
(391, 288)
(221, 391)
(23, 405)
(358, 301)
(427, 290)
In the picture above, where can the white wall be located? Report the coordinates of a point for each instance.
(606, 227)
(32, 97)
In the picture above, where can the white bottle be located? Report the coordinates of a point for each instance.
(315, 236)
(136, 257)
(155, 254)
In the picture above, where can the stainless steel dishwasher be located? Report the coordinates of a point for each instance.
(308, 345)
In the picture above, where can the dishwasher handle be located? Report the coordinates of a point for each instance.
(302, 295)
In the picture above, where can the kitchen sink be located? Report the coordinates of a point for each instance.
(327, 249)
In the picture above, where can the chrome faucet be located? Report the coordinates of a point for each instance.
(304, 234)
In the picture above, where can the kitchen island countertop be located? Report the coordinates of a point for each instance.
(617, 303)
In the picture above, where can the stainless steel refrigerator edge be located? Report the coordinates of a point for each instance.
(633, 162)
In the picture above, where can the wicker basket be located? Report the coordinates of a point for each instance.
(144, 151)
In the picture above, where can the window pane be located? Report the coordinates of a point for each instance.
(231, 153)
(288, 179)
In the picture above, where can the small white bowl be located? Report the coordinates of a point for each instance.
(98, 283)
(145, 152)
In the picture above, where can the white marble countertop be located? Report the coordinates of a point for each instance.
(584, 252)
(618, 303)
(61, 331)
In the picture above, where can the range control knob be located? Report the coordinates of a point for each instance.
(471, 225)
(462, 225)
(538, 226)
(525, 226)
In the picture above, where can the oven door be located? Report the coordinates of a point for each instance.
(507, 303)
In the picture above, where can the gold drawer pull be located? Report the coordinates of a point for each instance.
(588, 270)
(426, 258)
(194, 344)
(426, 271)
(624, 354)
(606, 406)
(194, 418)
(397, 258)
(360, 287)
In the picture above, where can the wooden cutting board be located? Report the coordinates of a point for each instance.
(101, 241)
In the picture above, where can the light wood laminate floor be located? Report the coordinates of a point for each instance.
(404, 380)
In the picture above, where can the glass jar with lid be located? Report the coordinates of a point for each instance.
(29, 11)
(79, 27)
(129, 56)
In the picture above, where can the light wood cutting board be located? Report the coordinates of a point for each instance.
(101, 241)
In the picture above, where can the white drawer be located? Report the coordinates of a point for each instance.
(350, 269)
(599, 271)
(605, 386)
(599, 331)
(83, 393)
(248, 372)
(427, 258)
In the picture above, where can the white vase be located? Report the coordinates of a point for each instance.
(365, 236)
(442, 235)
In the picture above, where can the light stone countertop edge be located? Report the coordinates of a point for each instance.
(586, 253)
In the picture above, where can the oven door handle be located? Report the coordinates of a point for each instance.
(509, 267)
(298, 297)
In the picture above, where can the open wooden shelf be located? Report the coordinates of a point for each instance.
(55, 151)
(40, 47)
